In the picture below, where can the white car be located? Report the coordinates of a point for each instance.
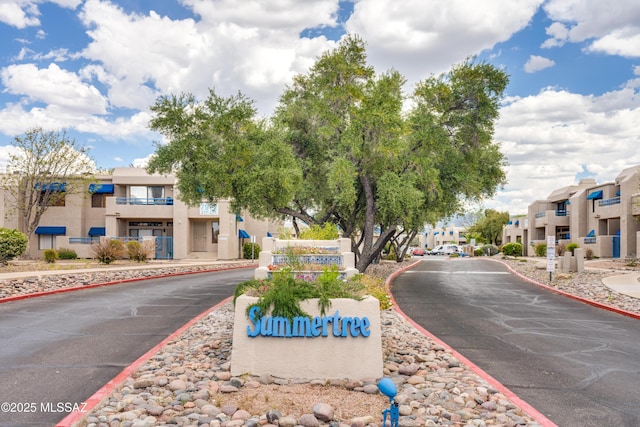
(445, 250)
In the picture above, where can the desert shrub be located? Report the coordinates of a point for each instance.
(13, 243)
(572, 247)
(588, 253)
(50, 255)
(246, 250)
(478, 252)
(512, 249)
(66, 253)
(541, 249)
(560, 249)
(489, 250)
(140, 252)
(327, 231)
(108, 251)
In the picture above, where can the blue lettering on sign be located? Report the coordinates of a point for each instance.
(282, 327)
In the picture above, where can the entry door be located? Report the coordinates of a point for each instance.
(199, 234)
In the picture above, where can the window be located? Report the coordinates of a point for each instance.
(49, 198)
(98, 200)
(147, 192)
(215, 231)
(46, 241)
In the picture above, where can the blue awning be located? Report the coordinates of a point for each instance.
(436, 233)
(51, 186)
(101, 188)
(517, 222)
(451, 233)
(592, 233)
(51, 230)
(243, 234)
(97, 231)
(239, 218)
(269, 234)
(595, 195)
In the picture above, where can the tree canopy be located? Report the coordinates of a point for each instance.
(489, 225)
(46, 167)
(345, 145)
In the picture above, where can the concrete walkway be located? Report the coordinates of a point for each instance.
(628, 284)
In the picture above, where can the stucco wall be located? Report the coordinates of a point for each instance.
(320, 357)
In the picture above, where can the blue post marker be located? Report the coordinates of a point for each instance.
(388, 388)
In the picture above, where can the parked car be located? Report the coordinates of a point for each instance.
(445, 250)
(418, 252)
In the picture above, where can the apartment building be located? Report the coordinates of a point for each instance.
(442, 235)
(129, 203)
(602, 217)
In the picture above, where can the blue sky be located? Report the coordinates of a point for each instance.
(94, 67)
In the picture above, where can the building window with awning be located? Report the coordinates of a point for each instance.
(51, 194)
(47, 236)
(99, 194)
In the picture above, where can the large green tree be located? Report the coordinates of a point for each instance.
(45, 168)
(346, 145)
(489, 225)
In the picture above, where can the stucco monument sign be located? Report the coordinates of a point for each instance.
(344, 342)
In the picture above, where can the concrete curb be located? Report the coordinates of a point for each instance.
(76, 418)
(115, 282)
(528, 409)
(568, 295)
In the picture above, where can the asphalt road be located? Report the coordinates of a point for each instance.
(576, 364)
(58, 350)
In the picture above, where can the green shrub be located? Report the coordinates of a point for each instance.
(541, 249)
(512, 249)
(13, 243)
(65, 253)
(50, 255)
(108, 251)
(247, 248)
(140, 252)
(327, 231)
(281, 295)
(478, 252)
(572, 247)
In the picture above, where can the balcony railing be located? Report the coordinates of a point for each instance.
(557, 213)
(609, 202)
(163, 201)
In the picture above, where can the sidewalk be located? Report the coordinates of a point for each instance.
(627, 284)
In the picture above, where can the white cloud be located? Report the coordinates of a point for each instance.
(19, 14)
(58, 88)
(609, 28)
(537, 63)
(25, 13)
(552, 137)
(419, 38)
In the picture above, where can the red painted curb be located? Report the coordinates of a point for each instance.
(103, 393)
(569, 295)
(115, 282)
(528, 409)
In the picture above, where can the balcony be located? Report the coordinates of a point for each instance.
(608, 208)
(552, 217)
(135, 207)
